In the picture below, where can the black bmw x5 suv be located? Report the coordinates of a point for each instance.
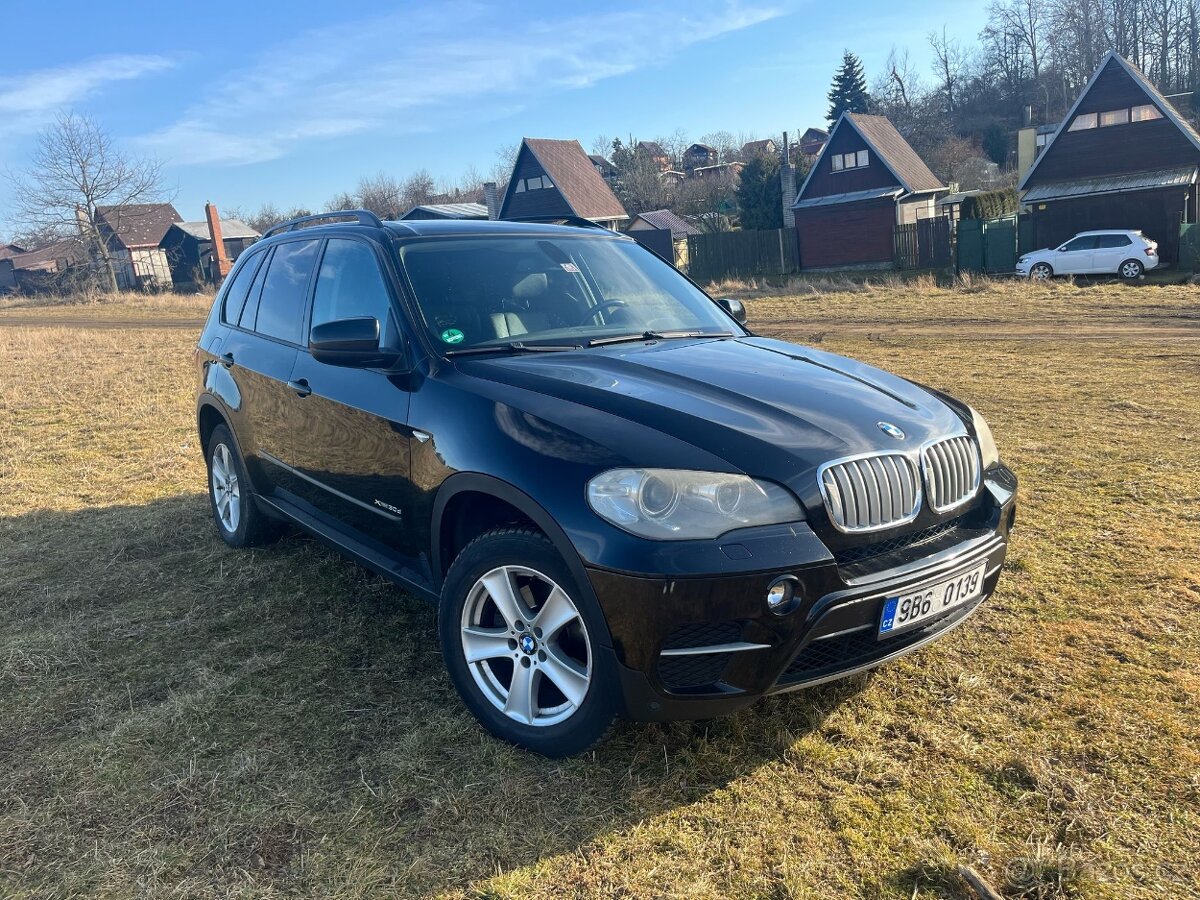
(622, 500)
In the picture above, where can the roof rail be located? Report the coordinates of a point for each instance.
(364, 217)
(575, 221)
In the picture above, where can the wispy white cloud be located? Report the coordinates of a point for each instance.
(407, 72)
(30, 99)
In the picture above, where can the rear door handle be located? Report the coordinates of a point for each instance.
(301, 387)
(226, 359)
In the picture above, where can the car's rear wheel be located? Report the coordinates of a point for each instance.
(1131, 270)
(239, 521)
(522, 644)
(1041, 272)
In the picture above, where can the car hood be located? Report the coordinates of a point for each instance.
(770, 409)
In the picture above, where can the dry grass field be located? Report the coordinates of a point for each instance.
(179, 719)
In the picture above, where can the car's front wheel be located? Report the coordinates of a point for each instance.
(1131, 270)
(522, 644)
(1041, 272)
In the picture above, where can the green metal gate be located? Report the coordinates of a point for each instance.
(987, 245)
(1189, 247)
(970, 245)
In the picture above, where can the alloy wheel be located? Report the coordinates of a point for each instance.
(526, 646)
(1040, 272)
(227, 494)
(1131, 270)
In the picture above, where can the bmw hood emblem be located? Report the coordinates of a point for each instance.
(891, 430)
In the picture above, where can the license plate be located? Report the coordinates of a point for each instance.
(923, 603)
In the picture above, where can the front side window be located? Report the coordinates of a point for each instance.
(557, 290)
(350, 285)
(1088, 242)
(1083, 122)
(281, 308)
(1114, 117)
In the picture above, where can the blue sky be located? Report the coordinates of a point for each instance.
(291, 103)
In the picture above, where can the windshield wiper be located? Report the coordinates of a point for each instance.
(514, 347)
(656, 336)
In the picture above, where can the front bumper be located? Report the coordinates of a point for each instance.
(693, 648)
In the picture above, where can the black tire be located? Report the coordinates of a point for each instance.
(592, 718)
(1041, 272)
(1131, 270)
(251, 527)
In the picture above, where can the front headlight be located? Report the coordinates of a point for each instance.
(987, 443)
(677, 505)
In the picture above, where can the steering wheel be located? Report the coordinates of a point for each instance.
(592, 313)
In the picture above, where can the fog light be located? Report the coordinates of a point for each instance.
(780, 595)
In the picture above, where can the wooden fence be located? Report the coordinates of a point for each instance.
(924, 244)
(742, 254)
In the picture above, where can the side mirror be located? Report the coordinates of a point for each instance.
(350, 342)
(735, 308)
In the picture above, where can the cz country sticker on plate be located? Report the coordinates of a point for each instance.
(920, 604)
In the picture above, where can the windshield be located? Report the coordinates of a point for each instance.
(476, 292)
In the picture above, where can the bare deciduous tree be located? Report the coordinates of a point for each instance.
(75, 168)
(710, 202)
(724, 143)
(267, 215)
(674, 144)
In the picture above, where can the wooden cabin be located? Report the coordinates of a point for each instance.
(1122, 158)
(866, 181)
(555, 179)
(133, 233)
(189, 249)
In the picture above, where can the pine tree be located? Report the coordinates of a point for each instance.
(758, 195)
(849, 90)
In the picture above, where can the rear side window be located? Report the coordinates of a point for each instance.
(349, 284)
(250, 310)
(1107, 241)
(281, 307)
(239, 290)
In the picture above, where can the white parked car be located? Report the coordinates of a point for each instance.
(1124, 253)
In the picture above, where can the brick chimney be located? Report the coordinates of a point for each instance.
(787, 184)
(491, 198)
(220, 260)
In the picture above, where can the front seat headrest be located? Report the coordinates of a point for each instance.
(531, 286)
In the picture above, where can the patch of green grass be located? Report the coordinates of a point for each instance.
(179, 719)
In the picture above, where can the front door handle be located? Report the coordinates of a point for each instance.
(226, 359)
(301, 387)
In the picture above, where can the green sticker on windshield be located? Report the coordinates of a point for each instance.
(452, 336)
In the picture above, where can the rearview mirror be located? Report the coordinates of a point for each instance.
(735, 308)
(350, 342)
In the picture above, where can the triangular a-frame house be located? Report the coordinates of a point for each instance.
(866, 181)
(556, 179)
(1122, 158)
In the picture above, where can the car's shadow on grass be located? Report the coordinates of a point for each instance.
(178, 713)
